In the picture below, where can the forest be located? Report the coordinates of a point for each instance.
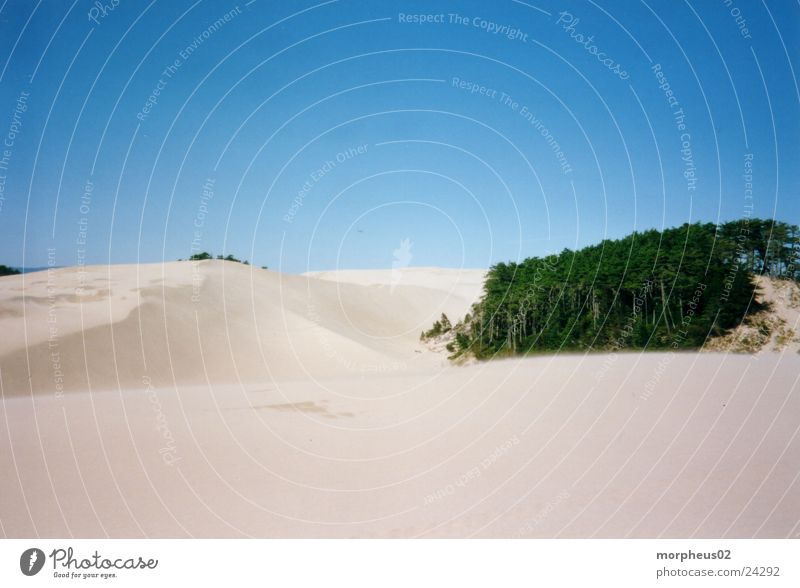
(654, 289)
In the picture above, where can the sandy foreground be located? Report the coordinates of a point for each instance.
(217, 400)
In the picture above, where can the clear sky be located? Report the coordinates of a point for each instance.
(310, 135)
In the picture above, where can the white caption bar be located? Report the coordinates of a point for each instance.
(401, 563)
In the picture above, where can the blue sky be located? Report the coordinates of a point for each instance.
(307, 136)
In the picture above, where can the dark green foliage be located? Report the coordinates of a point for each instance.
(200, 256)
(669, 289)
(462, 342)
(205, 255)
(8, 271)
(440, 327)
(230, 257)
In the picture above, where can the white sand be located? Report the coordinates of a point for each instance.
(305, 406)
(775, 329)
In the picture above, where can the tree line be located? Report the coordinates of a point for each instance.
(204, 255)
(654, 289)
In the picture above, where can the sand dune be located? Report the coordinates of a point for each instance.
(776, 329)
(222, 400)
(111, 327)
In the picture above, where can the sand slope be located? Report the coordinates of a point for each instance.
(334, 422)
(775, 329)
(117, 326)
